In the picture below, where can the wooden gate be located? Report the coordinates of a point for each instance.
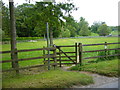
(63, 55)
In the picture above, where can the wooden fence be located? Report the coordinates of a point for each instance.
(81, 52)
(56, 58)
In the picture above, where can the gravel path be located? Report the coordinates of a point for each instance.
(99, 81)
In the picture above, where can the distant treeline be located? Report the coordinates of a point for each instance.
(31, 21)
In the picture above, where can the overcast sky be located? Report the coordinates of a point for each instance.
(92, 10)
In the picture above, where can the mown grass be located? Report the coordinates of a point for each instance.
(108, 68)
(40, 44)
(50, 79)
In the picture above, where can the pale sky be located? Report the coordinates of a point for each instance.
(91, 10)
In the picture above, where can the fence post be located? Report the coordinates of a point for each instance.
(76, 52)
(80, 53)
(105, 50)
(44, 54)
(59, 56)
(54, 53)
(16, 62)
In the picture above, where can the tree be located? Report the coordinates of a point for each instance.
(66, 33)
(95, 26)
(72, 26)
(5, 20)
(25, 22)
(52, 13)
(104, 30)
(84, 31)
(83, 27)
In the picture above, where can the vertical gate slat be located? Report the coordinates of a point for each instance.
(80, 53)
(76, 51)
(60, 56)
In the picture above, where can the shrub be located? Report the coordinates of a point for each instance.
(117, 52)
(103, 53)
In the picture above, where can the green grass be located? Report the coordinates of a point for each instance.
(108, 68)
(50, 79)
(40, 44)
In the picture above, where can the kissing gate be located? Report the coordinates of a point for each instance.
(61, 55)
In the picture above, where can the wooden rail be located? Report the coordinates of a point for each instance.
(27, 50)
(100, 56)
(57, 56)
(100, 44)
(101, 50)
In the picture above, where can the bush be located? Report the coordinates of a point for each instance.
(117, 52)
(103, 53)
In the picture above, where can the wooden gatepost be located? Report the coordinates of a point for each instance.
(50, 57)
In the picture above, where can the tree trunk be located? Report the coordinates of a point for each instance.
(13, 35)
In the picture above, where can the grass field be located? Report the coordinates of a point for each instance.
(108, 68)
(40, 44)
(50, 79)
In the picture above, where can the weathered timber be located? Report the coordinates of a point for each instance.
(76, 52)
(66, 46)
(66, 55)
(27, 50)
(80, 53)
(100, 50)
(100, 44)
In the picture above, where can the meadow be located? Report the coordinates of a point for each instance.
(40, 44)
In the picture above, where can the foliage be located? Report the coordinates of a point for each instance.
(66, 33)
(31, 19)
(108, 68)
(84, 31)
(83, 27)
(72, 26)
(95, 26)
(5, 20)
(50, 79)
(117, 52)
(94, 34)
(104, 30)
(24, 20)
(103, 53)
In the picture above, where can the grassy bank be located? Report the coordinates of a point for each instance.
(108, 68)
(49, 79)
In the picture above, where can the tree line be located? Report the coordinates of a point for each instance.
(31, 21)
